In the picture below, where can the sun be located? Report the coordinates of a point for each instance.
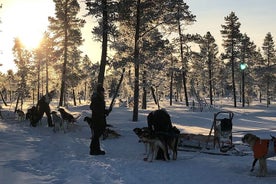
(27, 20)
(30, 38)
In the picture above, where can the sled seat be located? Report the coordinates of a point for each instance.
(223, 129)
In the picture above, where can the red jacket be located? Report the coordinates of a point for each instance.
(261, 148)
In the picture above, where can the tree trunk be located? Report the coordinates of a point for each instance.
(136, 64)
(144, 101)
(210, 81)
(233, 77)
(74, 97)
(38, 82)
(183, 64)
(65, 55)
(47, 77)
(171, 88)
(104, 42)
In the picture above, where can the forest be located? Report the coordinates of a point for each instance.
(146, 42)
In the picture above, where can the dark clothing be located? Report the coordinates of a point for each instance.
(159, 122)
(99, 114)
(43, 107)
(36, 113)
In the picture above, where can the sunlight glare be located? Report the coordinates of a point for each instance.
(28, 22)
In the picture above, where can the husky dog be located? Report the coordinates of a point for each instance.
(108, 133)
(33, 116)
(58, 122)
(262, 149)
(20, 115)
(139, 132)
(153, 142)
(66, 116)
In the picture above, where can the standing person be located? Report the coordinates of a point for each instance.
(99, 114)
(43, 106)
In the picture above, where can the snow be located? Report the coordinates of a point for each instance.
(40, 156)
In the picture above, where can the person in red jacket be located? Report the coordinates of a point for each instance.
(99, 114)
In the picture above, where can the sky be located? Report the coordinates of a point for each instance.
(28, 20)
(256, 17)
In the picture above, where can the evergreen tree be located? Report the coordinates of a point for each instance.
(269, 55)
(208, 52)
(22, 60)
(142, 17)
(105, 12)
(248, 53)
(66, 29)
(44, 57)
(231, 41)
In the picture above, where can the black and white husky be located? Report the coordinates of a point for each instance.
(153, 143)
(58, 122)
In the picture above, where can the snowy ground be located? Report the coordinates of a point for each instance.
(40, 156)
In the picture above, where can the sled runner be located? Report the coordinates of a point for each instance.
(218, 141)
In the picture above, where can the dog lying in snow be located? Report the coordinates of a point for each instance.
(262, 149)
(108, 133)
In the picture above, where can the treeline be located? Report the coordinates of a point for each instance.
(148, 39)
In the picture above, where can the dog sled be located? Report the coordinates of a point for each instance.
(218, 141)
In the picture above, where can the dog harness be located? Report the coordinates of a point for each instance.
(264, 148)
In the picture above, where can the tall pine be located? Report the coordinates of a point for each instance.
(208, 52)
(269, 55)
(231, 41)
(66, 30)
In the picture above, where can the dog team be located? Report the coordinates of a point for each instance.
(159, 137)
(35, 114)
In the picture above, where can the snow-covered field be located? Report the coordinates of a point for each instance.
(40, 156)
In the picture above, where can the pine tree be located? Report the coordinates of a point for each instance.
(269, 54)
(105, 12)
(22, 60)
(231, 41)
(208, 52)
(248, 53)
(67, 35)
(143, 17)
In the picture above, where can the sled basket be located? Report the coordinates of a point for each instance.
(222, 126)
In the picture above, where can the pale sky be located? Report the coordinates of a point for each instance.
(28, 19)
(257, 17)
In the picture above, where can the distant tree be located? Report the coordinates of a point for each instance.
(88, 73)
(208, 52)
(269, 55)
(141, 18)
(247, 58)
(22, 58)
(231, 41)
(44, 58)
(153, 44)
(66, 30)
(183, 14)
(259, 72)
(11, 81)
